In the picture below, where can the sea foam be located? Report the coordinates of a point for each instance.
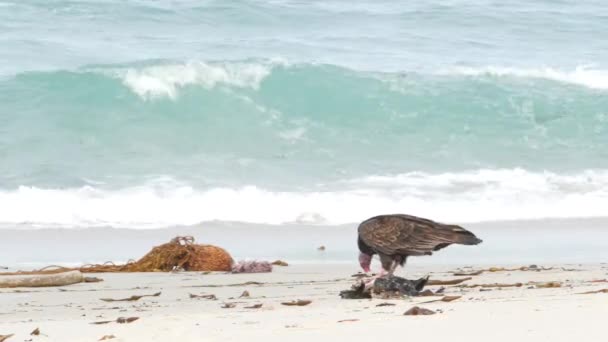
(582, 75)
(482, 195)
(166, 80)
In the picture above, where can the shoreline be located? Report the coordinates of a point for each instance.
(531, 312)
(510, 242)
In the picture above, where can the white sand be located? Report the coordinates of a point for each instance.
(509, 314)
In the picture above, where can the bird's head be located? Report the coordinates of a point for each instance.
(365, 261)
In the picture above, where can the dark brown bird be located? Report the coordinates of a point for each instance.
(396, 237)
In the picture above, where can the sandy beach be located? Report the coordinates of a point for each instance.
(526, 312)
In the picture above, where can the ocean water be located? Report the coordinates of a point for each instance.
(155, 114)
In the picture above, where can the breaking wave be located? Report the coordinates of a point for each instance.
(482, 195)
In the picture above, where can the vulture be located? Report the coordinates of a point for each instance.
(396, 237)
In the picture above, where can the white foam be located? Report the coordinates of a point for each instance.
(482, 195)
(166, 80)
(581, 75)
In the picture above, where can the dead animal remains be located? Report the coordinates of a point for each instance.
(386, 287)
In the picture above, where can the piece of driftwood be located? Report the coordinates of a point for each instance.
(597, 291)
(209, 296)
(5, 337)
(493, 285)
(36, 332)
(443, 299)
(599, 281)
(468, 273)
(120, 320)
(547, 285)
(255, 306)
(41, 280)
(418, 311)
(386, 304)
(107, 337)
(447, 282)
(130, 299)
(297, 303)
(228, 305)
(92, 280)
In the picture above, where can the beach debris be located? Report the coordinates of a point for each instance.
(209, 296)
(385, 304)
(5, 337)
(349, 320)
(522, 268)
(40, 278)
(120, 320)
(443, 299)
(385, 287)
(418, 311)
(468, 273)
(107, 337)
(547, 285)
(280, 263)
(389, 287)
(360, 275)
(92, 280)
(228, 305)
(130, 299)
(298, 302)
(245, 294)
(252, 266)
(493, 285)
(427, 293)
(181, 253)
(599, 281)
(124, 320)
(36, 332)
(255, 306)
(432, 282)
(321, 248)
(597, 291)
(357, 292)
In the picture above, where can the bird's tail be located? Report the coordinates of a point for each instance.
(462, 236)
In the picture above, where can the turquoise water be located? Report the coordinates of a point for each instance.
(150, 114)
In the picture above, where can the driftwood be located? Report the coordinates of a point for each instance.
(448, 282)
(40, 280)
(443, 299)
(120, 320)
(5, 337)
(130, 299)
(468, 273)
(297, 303)
(597, 291)
(493, 285)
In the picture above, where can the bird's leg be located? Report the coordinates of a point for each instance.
(369, 283)
(392, 269)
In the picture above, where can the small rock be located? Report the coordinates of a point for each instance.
(418, 311)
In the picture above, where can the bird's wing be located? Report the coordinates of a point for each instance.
(402, 234)
(384, 234)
